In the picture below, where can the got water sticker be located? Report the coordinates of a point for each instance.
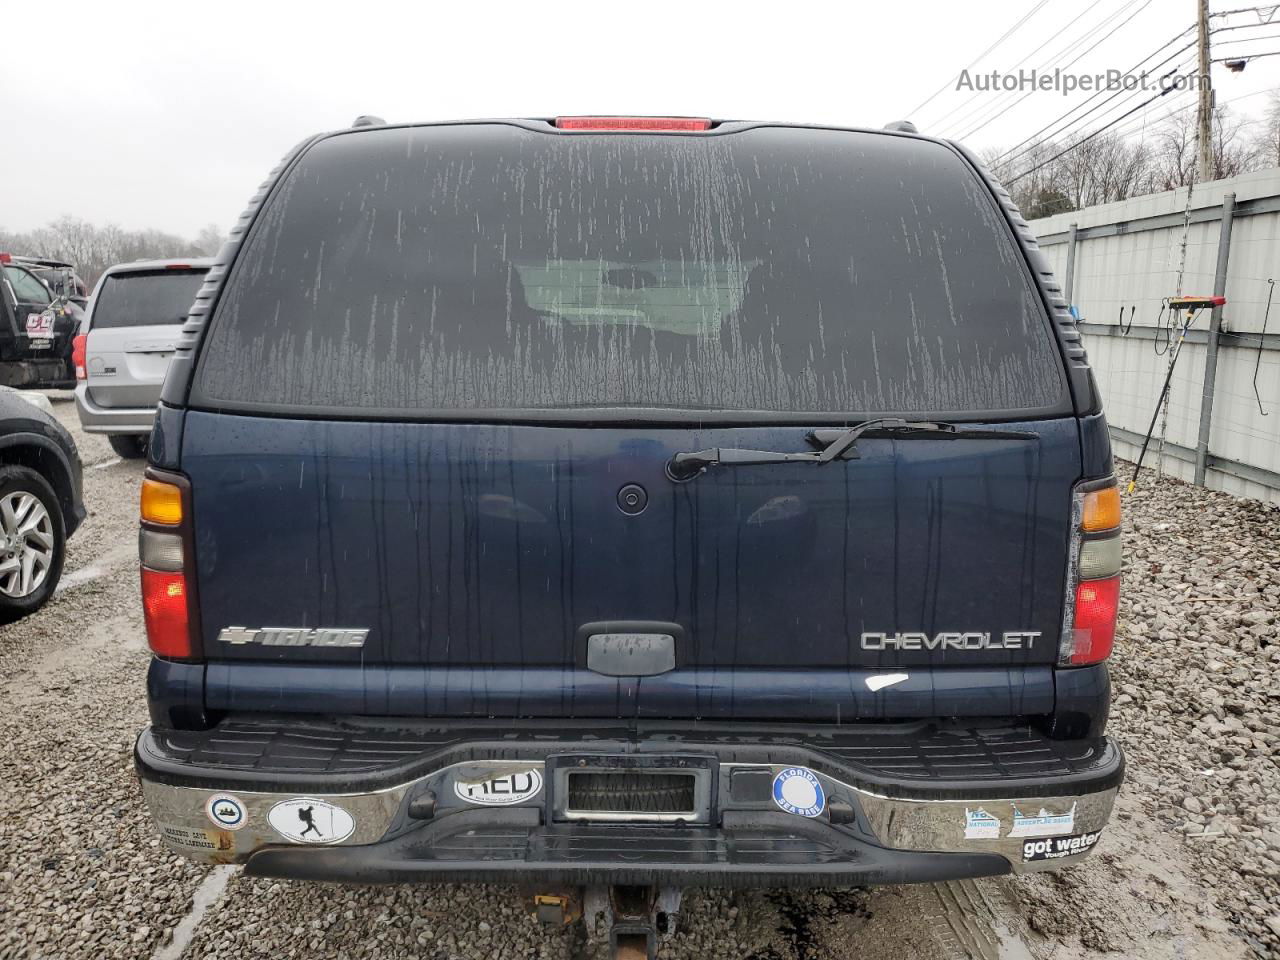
(797, 790)
(307, 820)
(1055, 848)
(225, 811)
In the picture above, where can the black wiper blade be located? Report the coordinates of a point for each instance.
(825, 440)
(834, 448)
(685, 466)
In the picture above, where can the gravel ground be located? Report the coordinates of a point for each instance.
(1190, 866)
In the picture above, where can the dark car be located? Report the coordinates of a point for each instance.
(631, 504)
(37, 328)
(40, 501)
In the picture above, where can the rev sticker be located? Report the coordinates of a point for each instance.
(502, 790)
(1055, 848)
(980, 825)
(307, 820)
(797, 790)
(1043, 824)
(225, 811)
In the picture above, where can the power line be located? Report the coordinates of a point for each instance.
(1228, 43)
(1005, 36)
(1270, 10)
(1084, 140)
(1247, 56)
(1001, 106)
(1107, 106)
(1012, 154)
(1130, 129)
(948, 126)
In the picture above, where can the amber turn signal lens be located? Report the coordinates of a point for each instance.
(161, 502)
(1101, 510)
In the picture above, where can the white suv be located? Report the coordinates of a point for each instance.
(129, 333)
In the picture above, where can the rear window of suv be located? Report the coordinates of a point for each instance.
(494, 268)
(144, 298)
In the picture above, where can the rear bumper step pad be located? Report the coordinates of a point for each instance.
(747, 851)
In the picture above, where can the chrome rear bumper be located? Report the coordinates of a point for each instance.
(496, 817)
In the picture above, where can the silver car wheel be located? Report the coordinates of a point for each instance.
(26, 544)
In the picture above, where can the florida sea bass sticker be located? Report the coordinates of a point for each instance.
(797, 790)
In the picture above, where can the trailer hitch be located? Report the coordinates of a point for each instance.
(633, 918)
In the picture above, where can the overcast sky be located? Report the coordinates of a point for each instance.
(168, 115)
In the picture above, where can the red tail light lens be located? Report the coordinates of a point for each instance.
(168, 574)
(687, 124)
(1097, 603)
(77, 356)
(164, 604)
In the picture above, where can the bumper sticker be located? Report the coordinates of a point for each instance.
(502, 790)
(1055, 848)
(225, 811)
(980, 825)
(308, 820)
(1043, 824)
(797, 790)
(208, 840)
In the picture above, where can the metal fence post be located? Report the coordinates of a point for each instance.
(1069, 284)
(1215, 326)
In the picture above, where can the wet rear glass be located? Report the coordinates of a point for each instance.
(491, 267)
(146, 298)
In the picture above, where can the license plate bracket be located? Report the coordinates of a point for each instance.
(620, 788)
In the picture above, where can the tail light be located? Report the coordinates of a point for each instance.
(165, 549)
(77, 356)
(1093, 575)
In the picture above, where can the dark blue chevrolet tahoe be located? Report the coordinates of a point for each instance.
(617, 505)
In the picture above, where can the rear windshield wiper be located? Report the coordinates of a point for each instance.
(833, 445)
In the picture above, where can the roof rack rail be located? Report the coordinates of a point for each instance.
(368, 120)
(901, 126)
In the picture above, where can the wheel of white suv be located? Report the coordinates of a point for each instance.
(130, 446)
(33, 542)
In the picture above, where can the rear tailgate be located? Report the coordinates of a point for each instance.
(423, 390)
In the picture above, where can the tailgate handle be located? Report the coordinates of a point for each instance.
(630, 653)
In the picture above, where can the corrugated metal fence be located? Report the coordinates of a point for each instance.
(1119, 261)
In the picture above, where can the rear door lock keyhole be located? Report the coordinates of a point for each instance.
(632, 499)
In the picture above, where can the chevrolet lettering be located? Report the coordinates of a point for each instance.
(1011, 640)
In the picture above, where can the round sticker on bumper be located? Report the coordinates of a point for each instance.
(225, 811)
(797, 790)
(307, 820)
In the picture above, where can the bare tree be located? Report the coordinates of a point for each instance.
(1174, 154)
(210, 239)
(1054, 176)
(1266, 141)
(92, 248)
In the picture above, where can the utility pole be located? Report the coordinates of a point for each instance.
(1204, 118)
